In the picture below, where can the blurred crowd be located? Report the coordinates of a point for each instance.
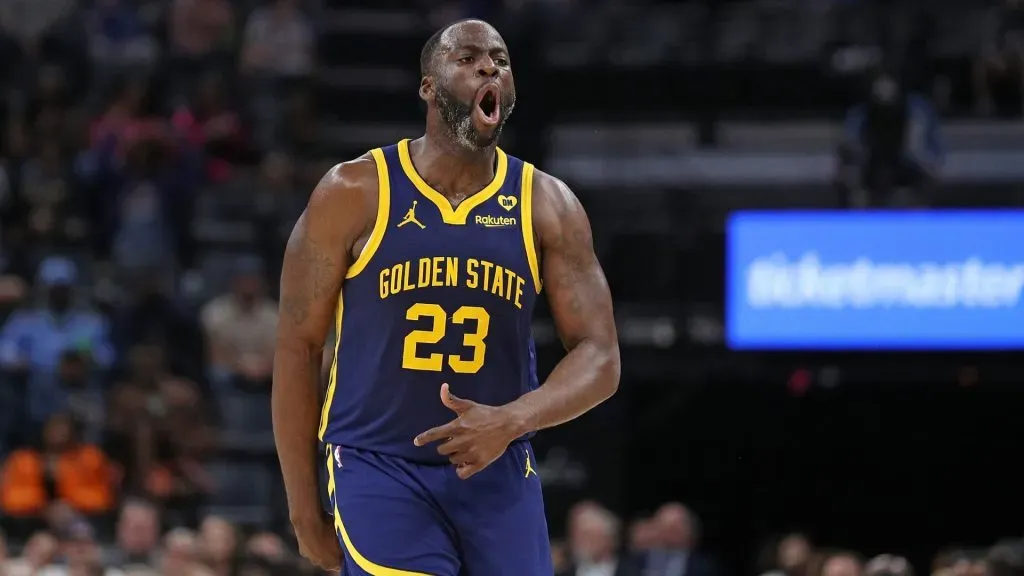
(142, 146)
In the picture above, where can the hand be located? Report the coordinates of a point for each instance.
(475, 438)
(318, 542)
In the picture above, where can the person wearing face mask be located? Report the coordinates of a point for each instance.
(892, 148)
(34, 342)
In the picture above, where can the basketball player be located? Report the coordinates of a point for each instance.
(427, 257)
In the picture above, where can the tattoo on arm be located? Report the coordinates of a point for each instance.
(311, 273)
(576, 284)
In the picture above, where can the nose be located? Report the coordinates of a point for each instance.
(487, 68)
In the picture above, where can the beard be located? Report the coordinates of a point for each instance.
(458, 118)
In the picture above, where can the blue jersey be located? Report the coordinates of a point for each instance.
(439, 294)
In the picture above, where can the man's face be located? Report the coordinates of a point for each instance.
(472, 86)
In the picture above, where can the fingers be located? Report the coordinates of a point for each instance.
(453, 402)
(465, 471)
(435, 434)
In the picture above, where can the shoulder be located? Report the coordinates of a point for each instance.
(556, 208)
(347, 186)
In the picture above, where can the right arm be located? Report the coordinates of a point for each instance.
(316, 259)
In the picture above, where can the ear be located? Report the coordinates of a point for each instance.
(427, 89)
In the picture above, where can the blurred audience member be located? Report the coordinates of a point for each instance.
(118, 36)
(180, 553)
(643, 537)
(199, 30)
(888, 565)
(278, 41)
(218, 545)
(240, 329)
(212, 125)
(594, 534)
(78, 554)
(29, 27)
(39, 552)
(999, 67)
(676, 554)
(892, 150)
(1005, 559)
(64, 469)
(34, 342)
(841, 564)
(138, 535)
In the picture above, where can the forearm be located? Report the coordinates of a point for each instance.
(586, 376)
(296, 415)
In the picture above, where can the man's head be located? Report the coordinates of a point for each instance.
(58, 433)
(677, 527)
(593, 534)
(57, 275)
(467, 83)
(247, 283)
(138, 528)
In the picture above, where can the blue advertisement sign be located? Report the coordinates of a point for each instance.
(875, 280)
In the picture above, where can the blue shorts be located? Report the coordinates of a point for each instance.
(400, 518)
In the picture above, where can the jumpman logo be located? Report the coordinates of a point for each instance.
(529, 467)
(410, 216)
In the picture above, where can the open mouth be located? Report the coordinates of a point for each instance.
(489, 105)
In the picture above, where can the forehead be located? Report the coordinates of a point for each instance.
(472, 34)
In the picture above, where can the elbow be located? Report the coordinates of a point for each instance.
(610, 370)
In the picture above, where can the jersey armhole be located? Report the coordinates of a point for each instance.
(383, 213)
(526, 194)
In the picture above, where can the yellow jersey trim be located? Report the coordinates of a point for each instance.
(451, 215)
(332, 381)
(364, 563)
(526, 211)
(383, 213)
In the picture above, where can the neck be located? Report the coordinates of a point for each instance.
(449, 167)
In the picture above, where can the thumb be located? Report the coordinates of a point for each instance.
(453, 402)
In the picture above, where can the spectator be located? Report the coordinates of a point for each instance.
(676, 554)
(27, 27)
(158, 428)
(200, 35)
(210, 123)
(81, 400)
(33, 344)
(888, 565)
(180, 553)
(138, 535)
(218, 545)
(79, 554)
(278, 41)
(594, 538)
(892, 144)
(39, 552)
(64, 469)
(118, 36)
(240, 328)
(643, 537)
(999, 67)
(841, 564)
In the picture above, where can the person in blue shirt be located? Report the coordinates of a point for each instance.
(892, 143)
(34, 341)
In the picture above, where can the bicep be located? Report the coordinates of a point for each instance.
(316, 259)
(311, 279)
(577, 290)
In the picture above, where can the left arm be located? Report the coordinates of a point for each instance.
(582, 308)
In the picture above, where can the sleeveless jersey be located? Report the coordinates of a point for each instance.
(439, 294)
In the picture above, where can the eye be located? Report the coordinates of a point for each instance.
(465, 59)
(501, 61)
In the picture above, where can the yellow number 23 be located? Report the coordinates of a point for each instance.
(439, 325)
